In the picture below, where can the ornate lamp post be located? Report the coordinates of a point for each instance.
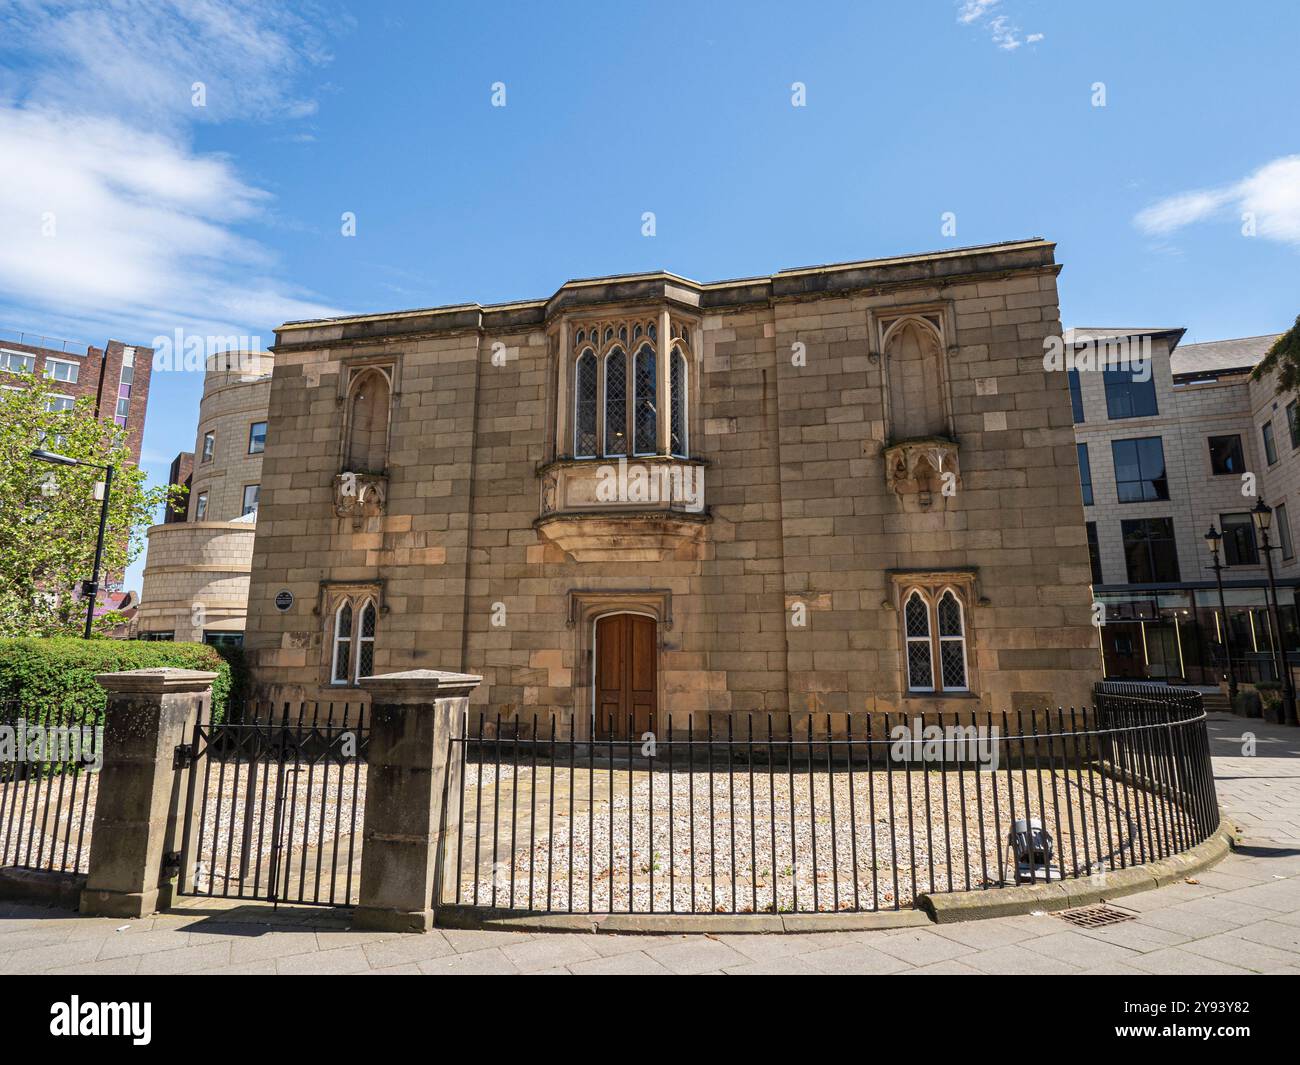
(1213, 538)
(1263, 518)
(92, 589)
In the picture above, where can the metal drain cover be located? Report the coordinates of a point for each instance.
(1095, 916)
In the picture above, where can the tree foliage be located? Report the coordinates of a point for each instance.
(49, 516)
(1284, 357)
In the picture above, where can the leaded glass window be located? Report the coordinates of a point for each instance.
(645, 404)
(678, 385)
(366, 642)
(342, 643)
(584, 415)
(952, 643)
(616, 403)
(920, 665)
(616, 409)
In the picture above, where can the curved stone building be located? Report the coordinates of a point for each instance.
(197, 569)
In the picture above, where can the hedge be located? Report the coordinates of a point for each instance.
(46, 678)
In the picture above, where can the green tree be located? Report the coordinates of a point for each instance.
(49, 516)
(1284, 357)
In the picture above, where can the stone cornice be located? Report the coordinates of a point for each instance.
(958, 266)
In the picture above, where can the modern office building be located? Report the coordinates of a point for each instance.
(1164, 456)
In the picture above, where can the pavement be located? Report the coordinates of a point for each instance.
(1242, 916)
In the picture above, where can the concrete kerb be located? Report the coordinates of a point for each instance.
(1069, 894)
(675, 923)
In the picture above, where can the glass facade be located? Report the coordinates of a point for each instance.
(1179, 635)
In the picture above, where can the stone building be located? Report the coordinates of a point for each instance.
(1192, 444)
(848, 488)
(196, 571)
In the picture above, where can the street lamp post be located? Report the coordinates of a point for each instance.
(1213, 537)
(92, 589)
(1263, 517)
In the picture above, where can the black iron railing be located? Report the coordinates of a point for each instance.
(275, 805)
(765, 814)
(48, 779)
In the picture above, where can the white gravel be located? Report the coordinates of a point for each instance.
(785, 859)
(41, 822)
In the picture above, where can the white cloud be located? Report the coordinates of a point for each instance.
(110, 215)
(1003, 31)
(1270, 195)
(133, 58)
(974, 10)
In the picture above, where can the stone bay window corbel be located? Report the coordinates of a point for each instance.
(623, 484)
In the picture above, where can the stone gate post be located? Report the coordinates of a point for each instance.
(140, 793)
(413, 717)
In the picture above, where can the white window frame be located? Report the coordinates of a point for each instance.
(72, 402)
(26, 356)
(75, 367)
(335, 679)
(941, 639)
(358, 627)
(927, 639)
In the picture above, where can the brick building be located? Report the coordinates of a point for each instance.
(848, 488)
(1194, 445)
(115, 378)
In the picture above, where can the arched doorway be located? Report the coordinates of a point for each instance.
(625, 673)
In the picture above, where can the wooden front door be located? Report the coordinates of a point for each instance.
(626, 669)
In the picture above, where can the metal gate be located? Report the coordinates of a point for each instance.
(274, 807)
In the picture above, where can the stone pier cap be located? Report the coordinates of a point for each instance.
(162, 680)
(419, 685)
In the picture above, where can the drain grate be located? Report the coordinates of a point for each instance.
(1095, 916)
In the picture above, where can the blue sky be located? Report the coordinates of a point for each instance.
(225, 219)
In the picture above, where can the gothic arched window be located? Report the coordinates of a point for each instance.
(342, 643)
(616, 403)
(352, 650)
(645, 403)
(952, 642)
(367, 450)
(616, 407)
(584, 407)
(920, 661)
(934, 631)
(366, 641)
(678, 442)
